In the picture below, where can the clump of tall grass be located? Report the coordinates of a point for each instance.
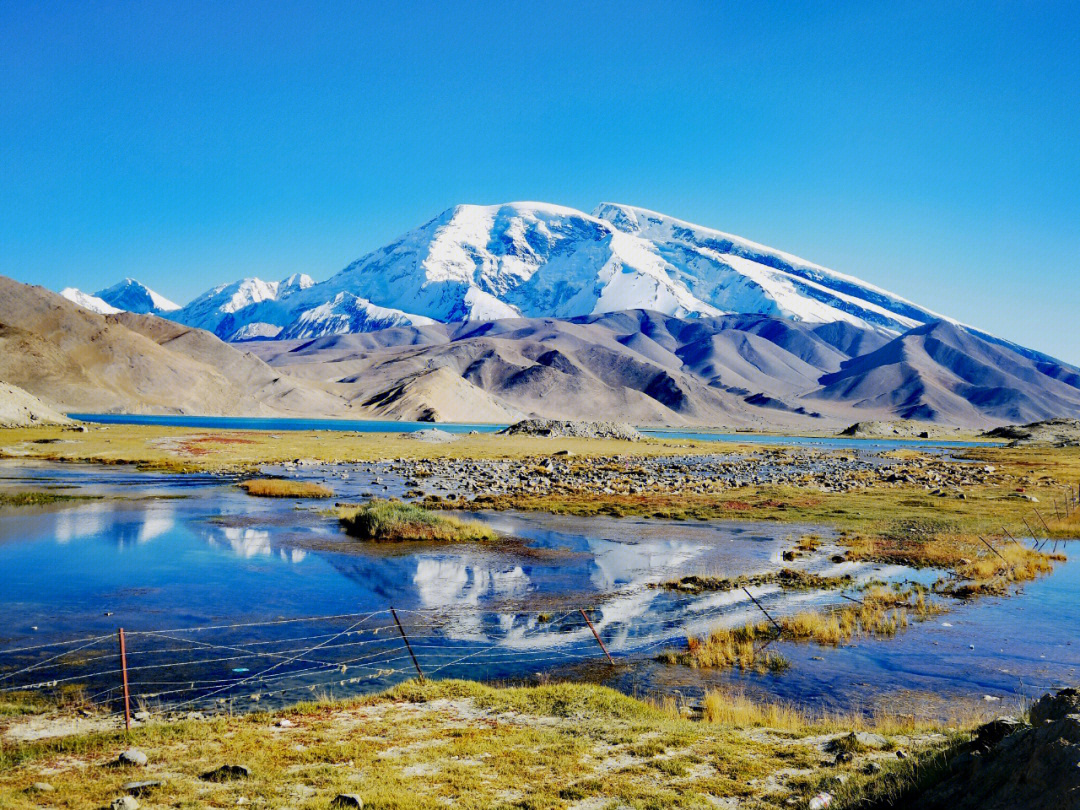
(284, 488)
(883, 611)
(396, 521)
(731, 706)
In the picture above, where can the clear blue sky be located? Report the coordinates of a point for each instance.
(930, 148)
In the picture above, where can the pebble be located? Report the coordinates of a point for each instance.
(124, 803)
(41, 787)
(285, 723)
(133, 756)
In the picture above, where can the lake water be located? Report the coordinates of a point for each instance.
(228, 597)
(386, 426)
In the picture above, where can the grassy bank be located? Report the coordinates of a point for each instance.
(197, 449)
(473, 746)
(381, 521)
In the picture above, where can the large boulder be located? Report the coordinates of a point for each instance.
(1012, 765)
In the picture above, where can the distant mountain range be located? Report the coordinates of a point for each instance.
(476, 263)
(642, 366)
(492, 312)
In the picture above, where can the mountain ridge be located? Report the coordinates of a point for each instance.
(534, 259)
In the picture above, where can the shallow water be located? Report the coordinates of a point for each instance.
(150, 561)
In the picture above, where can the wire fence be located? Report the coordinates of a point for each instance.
(243, 665)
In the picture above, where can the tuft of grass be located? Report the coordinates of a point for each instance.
(396, 522)
(284, 488)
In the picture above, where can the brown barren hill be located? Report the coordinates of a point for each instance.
(80, 361)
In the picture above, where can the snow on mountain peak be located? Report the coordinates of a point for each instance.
(534, 259)
(133, 296)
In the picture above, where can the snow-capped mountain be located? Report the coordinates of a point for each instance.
(528, 259)
(538, 260)
(245, 309)
(738, 275)
(131, 296)
(87, 301)
(344, 314)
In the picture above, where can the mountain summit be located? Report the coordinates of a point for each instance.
(531, 259)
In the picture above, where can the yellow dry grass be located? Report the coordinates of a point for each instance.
(285, 488)
(883, 612)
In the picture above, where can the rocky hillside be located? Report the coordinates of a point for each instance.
(79, 361)
(21, 409)
(1012, 764)
(749, 371)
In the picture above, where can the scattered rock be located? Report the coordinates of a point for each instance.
(868, 739)
(227, 773)
(285, 723)
(142, 717)
(346, 800)
(133, 756)
(40, 787)
(990, 734)
(124, 803)
(844, 757)
(872, 767)
(139, 788)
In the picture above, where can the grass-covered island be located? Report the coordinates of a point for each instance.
(393, 521)
(285, 488)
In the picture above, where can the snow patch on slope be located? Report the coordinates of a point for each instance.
(87, 301)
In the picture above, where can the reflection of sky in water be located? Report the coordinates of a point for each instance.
(220, 556)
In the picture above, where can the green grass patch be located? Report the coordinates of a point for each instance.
(397, 522)
(37, 498)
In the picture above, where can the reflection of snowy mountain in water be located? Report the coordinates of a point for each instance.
(482, 594)
(248, 543)
(125, 528)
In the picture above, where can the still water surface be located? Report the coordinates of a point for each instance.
(184, 553)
